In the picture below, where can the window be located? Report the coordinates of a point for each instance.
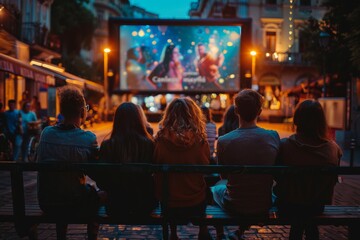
(270, 38)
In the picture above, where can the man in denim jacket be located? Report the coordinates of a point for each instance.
(66, 193)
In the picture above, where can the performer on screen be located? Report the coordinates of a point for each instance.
(136, 65)
(168, 74)
(207, 65)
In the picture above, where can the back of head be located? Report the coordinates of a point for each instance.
(72, 102)
(248, 103)
(310, 120)
(207, 113)
(129, 136)
(231, 120)
(181, 116)
(129, 121)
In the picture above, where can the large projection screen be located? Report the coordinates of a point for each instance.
(179, 58)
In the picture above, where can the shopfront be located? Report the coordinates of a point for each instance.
(18, 77)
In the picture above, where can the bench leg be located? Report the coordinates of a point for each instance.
(354, 231)
(61, 229)
(165, 231)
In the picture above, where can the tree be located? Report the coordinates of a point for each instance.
(342, 56)
(75, 26)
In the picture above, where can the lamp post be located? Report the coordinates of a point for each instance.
(253, 65)
(106, 83)
(324, 40)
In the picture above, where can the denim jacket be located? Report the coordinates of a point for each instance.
(59, 144)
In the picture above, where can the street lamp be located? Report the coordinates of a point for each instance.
(324, 40)
(253, 63)
(106, 83)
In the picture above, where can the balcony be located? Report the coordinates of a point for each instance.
(33, 33)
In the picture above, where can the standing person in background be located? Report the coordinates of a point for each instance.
(210, 131)
(182, 140)
(24, 98)
(27, 117)
(14, 129)
(35, 106)
(2, 118)
(231, 121)
(128, 194)
(248, 145)
(302, 196)
(67, 193)
(4, 145)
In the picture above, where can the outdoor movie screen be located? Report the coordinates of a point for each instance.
(179, 58)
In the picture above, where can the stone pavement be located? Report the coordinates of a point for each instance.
(346, 193)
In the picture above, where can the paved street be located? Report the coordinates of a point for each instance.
(346, 193)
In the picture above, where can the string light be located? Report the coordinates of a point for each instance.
(291, 25)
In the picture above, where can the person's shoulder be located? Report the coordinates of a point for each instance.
(269, 132)
(228, 136)
(88, 134)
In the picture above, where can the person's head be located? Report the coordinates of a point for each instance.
(12, 104)
(201, 49)
(72, 103)
(25, 95)
(207, 113)
(248, 105)
(25, 107)
(231, 120)
(1, 106)
(182, 115)
(35, 99)
(310, 121)
(128, 120)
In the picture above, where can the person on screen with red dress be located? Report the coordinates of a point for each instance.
(168, 74)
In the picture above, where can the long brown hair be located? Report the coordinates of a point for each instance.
(310, 121)
(128, 133)
(181, 116)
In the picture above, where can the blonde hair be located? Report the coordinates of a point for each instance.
(181, 116)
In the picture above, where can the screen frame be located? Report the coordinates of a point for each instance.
(114, 44)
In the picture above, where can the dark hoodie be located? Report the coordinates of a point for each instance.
(307, 189)
(185, 189)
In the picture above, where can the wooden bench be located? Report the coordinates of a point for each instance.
(26, 216)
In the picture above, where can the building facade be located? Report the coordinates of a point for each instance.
(277, 64)
(24, 29)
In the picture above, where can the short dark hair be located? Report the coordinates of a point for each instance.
(248, 103)
(72, 102)
(310, 120)
(11, 101)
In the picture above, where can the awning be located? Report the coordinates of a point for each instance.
(18, 67)
(70, 78)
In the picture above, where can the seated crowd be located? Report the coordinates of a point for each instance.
(183, 139)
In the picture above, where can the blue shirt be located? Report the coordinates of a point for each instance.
(12, 120)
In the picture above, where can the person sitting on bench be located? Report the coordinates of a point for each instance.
(303, 196)
(247, 145)
(66, 193)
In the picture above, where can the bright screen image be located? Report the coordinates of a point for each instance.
(179, 58)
